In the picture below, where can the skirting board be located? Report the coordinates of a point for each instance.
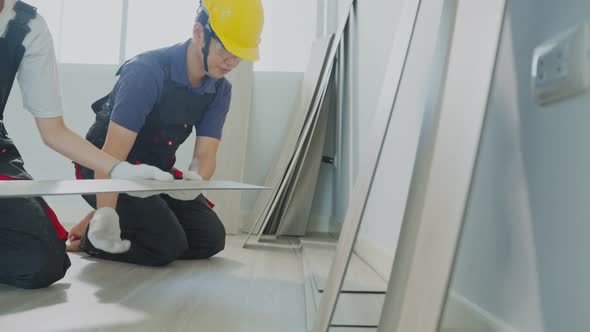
(463, 315)
(245, 221)
(11, 189)
(380, 259)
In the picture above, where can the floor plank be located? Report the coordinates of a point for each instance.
(240, 290)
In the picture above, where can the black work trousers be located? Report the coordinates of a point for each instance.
(162, 229)
(31, 254)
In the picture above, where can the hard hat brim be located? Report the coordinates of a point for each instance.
(249, 54)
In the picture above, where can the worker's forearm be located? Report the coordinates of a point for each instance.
(113, 147)
(105, 200)
(71, 145)
(205, 157)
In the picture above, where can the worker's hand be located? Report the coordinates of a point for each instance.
(77, 232)
(187, 195)
(126, 171)
(104, 232)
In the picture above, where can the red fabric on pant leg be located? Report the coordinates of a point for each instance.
(6, 178)
(211, 205)
(62, 234)
(177, 174)
(78, 171)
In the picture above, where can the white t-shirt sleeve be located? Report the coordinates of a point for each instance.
(37, 74)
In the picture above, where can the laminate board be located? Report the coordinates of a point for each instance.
(77, 187)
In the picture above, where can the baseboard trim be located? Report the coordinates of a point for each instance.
(245, 221)
(464, 315)
(376, 257)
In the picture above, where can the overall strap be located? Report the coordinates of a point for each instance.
(18, 27)
(17, 30)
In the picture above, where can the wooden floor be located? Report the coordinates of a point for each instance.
(240, 290)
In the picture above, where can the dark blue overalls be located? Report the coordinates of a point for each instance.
(32, 242)
(160, 228)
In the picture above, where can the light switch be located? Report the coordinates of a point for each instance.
(561, 65)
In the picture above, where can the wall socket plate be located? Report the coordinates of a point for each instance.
(561, 65)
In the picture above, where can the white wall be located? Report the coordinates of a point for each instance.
(523, 255)
(557, 162)
(377, 23)
(289, 29)
(273, 101)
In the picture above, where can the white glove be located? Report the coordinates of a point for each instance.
(187, 195)
(104, 232)
(126, 171)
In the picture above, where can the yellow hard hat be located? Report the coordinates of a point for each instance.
(238, 24)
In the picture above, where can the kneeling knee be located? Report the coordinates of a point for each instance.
(168, 251)
(46, 270)
(217, 240)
